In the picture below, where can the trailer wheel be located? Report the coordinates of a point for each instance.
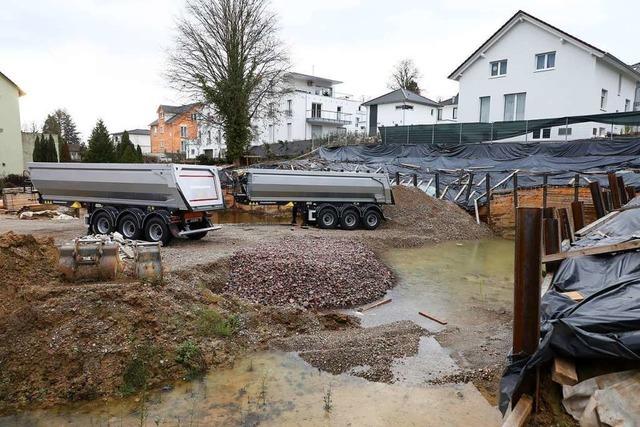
(156, 230)
(350, 219)
(371, 219)
(128, 227)
(101, 223)
(327, 218)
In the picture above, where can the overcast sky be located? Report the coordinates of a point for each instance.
(104, 58)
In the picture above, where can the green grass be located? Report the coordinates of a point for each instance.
(189, 355)
(210, 323)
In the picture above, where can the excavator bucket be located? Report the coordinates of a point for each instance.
(148, 263)
(89, 259)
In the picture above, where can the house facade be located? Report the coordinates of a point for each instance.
(448, 111)
(11, 158)
(313, 109)
(530, 69)
(174, 128)
(138, 137)
(401, 107)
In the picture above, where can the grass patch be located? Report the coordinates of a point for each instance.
(189, 355)
(210, 323)
(136, 374)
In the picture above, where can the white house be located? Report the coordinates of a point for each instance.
(141, 137)
(448, 111)
(399, 108)
(210, 137)
(11, 161)
(313, 109)
(529, 69)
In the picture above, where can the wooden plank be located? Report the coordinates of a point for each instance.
(564, 371)
(586, 229)
(374, 305)
(596, 250)
(546, 283)
(518, 417)
(430, 317)
(574, 295)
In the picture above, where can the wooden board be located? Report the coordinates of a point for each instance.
(518, 417)
(430, 317)
(13, 201)
(595, 250)
(374, 305)
(564, 371)
(587, 228)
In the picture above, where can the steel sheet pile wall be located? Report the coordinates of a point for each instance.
(606, 323)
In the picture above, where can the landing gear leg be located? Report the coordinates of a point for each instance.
(294, 214)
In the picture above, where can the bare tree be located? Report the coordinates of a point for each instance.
(405, 75)
(228, 55)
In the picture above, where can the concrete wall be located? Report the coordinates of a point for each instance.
(572, 88)
(11, 160)
(29, 142)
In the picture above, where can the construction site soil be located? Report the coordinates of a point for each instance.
(65, 342)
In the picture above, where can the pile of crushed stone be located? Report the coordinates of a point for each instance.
(313, 272)
(421, 214)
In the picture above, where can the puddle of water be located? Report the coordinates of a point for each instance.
(431, 362)
(277, 389)
(446, 281)
(229, 216)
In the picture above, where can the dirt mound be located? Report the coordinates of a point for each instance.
(315, 272)
(368, 353)
(421, 214)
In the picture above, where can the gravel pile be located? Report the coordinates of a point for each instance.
(314, 272)
(425, 215)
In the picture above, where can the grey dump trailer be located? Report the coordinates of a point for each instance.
(154, 202)
(329, 199)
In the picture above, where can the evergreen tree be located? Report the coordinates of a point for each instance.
(101, 149)
(129, 155)
(63, 151)
(60, 123)
(52, 154)
(139, 154)
(37, 150)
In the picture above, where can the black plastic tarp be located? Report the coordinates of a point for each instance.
(606, 324)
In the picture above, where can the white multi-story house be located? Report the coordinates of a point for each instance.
(401, 107)
(313, 109)
(210, 137)
(529, 69)
(448, 111)
(11, 161)
(138, 137)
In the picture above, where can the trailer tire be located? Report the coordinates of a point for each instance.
(157, 230)
(350, 219)
(129, 227)
(371, 219)
(327, 218)
(101, 223)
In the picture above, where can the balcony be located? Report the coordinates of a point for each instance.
(324, 117)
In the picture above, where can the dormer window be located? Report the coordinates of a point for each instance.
(545, 61)
(499, 68)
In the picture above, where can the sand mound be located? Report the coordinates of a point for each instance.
(313, 272)
(414, 211)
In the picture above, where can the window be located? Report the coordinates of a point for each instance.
(455, 113)
(627, 105)
(485, 106)
(404, 107)
(183, 131)
(339, 113)
(439, 113)
(514, 106)
(603, 99)
(155, 130)
(595, 131)
(289, 107)
(499, 68)
(619, 84)
(565, 131)
(432, 111)
(546, 133)
(288, 131)
(546, 61)
(194, 116)
(316, 110)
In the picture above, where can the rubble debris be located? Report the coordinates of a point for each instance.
(316, 272)
(53, 215)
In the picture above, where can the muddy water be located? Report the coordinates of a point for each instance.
(278, 389)
(454, 281)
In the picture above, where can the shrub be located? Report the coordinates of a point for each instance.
(211, 323)
(189, 355)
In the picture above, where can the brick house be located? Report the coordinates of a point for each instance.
(174, 128)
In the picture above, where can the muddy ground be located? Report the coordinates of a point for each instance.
(69, 342)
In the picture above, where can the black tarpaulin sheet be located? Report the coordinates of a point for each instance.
(606, 324)
(464, 133)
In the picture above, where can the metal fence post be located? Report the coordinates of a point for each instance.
(433, 132)
(460, 141)
(487, 183)
(491, 131)
(526, 131)
(566, 129)
(408, 131)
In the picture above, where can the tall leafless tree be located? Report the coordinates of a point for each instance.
(228, 54)
(405, 75)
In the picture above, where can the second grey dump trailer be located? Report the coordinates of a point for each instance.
(329, 199)
(154, 202)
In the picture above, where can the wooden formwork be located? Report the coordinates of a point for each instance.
(503, 210)
(14, 199)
